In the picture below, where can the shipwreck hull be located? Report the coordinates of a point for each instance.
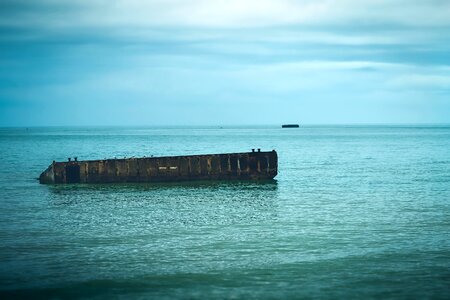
(229, 166)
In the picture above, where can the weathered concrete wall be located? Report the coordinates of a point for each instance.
(250, 165)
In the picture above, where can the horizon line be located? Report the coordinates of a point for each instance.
(223, 125)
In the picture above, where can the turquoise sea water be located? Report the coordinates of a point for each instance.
(355, 212)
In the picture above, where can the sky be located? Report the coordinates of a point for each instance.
(218, 62)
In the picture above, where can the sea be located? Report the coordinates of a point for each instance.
(356, 212)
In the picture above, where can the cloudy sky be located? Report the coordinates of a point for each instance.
(218, 62)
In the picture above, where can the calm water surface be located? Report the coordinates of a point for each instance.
(355, 212)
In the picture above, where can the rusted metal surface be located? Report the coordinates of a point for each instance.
(249, 165)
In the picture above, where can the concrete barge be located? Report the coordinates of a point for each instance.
(253, 165)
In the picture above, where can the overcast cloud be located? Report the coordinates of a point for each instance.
(224, 62)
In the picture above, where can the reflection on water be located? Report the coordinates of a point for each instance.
(130, 187)
(156, 205)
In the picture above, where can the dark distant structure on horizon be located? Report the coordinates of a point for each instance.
(253, 165)
(290, 126)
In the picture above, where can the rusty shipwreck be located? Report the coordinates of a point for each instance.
(253, 165)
